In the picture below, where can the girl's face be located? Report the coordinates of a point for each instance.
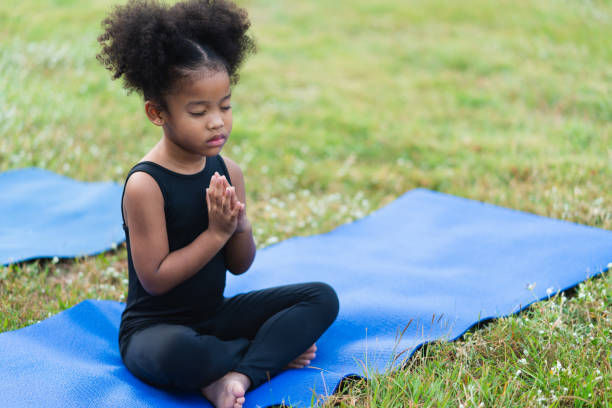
(199, 115)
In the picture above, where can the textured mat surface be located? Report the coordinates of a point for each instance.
(440, 262)
(43, 214)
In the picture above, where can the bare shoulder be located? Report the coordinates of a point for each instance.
(235, 172)
(236, 176)
(142, 185)
(142, 197)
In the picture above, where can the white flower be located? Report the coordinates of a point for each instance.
(557, 368)
(55, 260)
(518, 372)
(530, 286)
(523, 361)
(549, 291)
(272, 240)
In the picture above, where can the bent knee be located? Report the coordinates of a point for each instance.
(326, 296)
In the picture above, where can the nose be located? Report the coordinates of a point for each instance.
(216, 122)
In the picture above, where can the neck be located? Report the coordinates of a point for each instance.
(175, 158)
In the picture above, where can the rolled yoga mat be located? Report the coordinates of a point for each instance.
(43, 214)
(440, 262)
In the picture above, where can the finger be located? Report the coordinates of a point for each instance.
(217, 197)
(213, 190)
(219, 184)
(234, 197)
(294, 365)
(208, 199)
(237, 209)
(227, 201)
(224, 181)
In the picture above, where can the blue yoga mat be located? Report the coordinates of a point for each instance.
(43, 214)
(440, 262)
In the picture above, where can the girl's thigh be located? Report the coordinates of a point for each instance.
(177, 356)
(242, 315)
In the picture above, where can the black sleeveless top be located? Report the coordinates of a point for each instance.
(186, 218)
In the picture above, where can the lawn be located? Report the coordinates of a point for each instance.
(346, 106)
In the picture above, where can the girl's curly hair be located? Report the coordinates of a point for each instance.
(153, 45)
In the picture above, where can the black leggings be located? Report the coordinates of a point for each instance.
(256, 334)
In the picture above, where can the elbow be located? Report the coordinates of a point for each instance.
(153, 288)
(237, 271)
(238, 268)
(153, 285)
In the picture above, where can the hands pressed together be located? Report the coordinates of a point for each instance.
(226, 215)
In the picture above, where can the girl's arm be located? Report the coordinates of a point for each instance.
(158, 269)
(240, 249)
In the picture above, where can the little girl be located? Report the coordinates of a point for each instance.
(185, 218)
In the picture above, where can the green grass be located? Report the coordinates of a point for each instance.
(557, 353)
(346, 106)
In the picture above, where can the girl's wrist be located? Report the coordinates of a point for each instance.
(219, 236)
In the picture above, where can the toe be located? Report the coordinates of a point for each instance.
(237, 390)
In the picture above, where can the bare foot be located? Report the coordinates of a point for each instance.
(228, 391)
(304, 359)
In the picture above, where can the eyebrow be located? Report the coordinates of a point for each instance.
(208, 102)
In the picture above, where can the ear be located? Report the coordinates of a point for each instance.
(154, 113)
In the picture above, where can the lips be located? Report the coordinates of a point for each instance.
(216, 140)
